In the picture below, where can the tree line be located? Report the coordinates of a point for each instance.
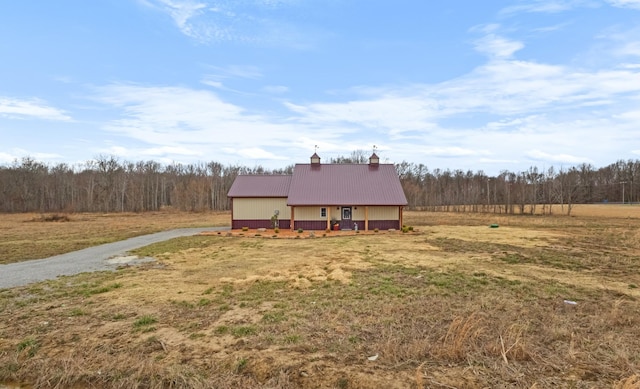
(108, 184)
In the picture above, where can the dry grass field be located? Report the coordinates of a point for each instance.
(539, 302)
(26, 236)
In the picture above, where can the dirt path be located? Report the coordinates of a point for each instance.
(103, 257)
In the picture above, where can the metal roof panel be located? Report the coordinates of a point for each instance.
(345, 184)
(260, 186)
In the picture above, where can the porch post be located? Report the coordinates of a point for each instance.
(366, 218)
(292, 218)
(400, 210)
(328, 218)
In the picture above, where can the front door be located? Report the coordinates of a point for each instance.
(345, 223)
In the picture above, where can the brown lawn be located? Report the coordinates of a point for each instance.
(539, 302)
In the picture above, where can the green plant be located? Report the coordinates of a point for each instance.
(77, 312)
(29, 345)
(276, 230)
(144, 321)
(376, 230)
(300, 230)
(292, 339)
(242, 363)
(245, 229)
(274, 317)
(221, 330)
(241, 331)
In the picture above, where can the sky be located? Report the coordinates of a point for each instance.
(474, 85)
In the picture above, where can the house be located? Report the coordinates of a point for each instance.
(317, 196)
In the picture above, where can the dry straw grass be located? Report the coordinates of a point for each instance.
(453, 304)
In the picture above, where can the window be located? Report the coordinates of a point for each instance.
(323, 212)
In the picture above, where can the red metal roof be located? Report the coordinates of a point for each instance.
(345, 184)
(260, 186)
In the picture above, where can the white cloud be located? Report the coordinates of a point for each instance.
(547, 6)
(634, 4)
(505, 110)
(502, 88)
(257, 153)
(560, 158)
(183, 12)
(197, 123)
(254, 22)
(629, 49)
(34, 108)
(16, 154)
(449, 152)
(6, 158)
(497, 47)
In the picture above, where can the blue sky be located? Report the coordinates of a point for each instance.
(480, 85)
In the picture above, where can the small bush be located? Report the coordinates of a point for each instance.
(29, 346)
(245, 229)
(53, 218)
(144, 321)
(276, 230)
(376, 230)
(300, 230)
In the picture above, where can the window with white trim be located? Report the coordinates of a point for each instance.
(323, 212)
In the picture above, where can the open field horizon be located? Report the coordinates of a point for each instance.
(29, 236)
(539, 302)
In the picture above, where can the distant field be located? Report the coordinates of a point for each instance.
(539, 302)
(30, 236)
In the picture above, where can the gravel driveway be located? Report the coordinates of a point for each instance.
(103, 257)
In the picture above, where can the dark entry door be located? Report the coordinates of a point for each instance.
(346, 223)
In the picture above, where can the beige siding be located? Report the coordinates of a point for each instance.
(313, 213)
(358, 214)
(375, 213)
(382, 213)
(260, 208)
